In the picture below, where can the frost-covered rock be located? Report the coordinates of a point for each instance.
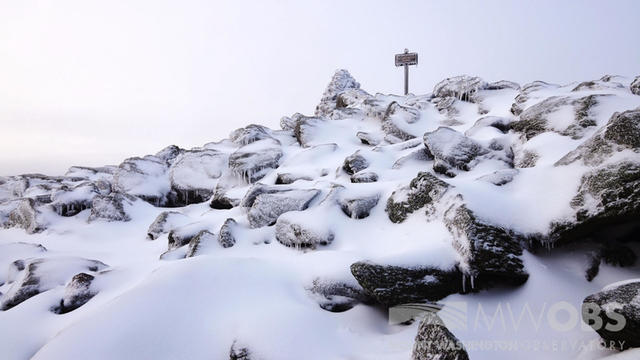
(561, 114)
(622, 132)
(635, 86)
(77, 293)
(226, 238)
(169, 154)
(200, 243)
(240, 352)
(364, 177)
(526, 159)
(368, 138)
(146, 178)
(22, 213)
(249, 134)
(394, 285)
(354, 163)
(602, 84)
(289, 178)
(302, 230)
(488, 254)
(305, 129)
(41, 274)
(503, 84)
(267, 207)
(182, 235)
(500, 177)
(340, 82)
(527, 92)
(452, 150)
(435, 341)
(424, 189)
(395, 120)
(617, 308)
(9, 252)
(194, 175)
(500, 123)
(358, 207)
(462, 87)
(165, 222)
(337, 296)
(253, 161)
(70, 201)
(111, 207)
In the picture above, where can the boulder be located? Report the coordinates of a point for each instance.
(37, 275)
(394, 285)
(452, 150)
(253, 161)
(358, 207)
(22, 213)
(435, 341)
(614, 313)
(527, 92)
(200, 242)
(169, 154)
(289, 178)
(337, 296)
(364, 177)
(500, 177)
(503, 84)
(368, 139)
(77, 293)
(635, 86)
(183, 235)
(424, 189)
(194, 175)
(165, 222)
(71, 201)
(302, 230)
(146, 178)
(396, 118)
(305, 128)
(340, 82)
(226, 237)
(249, 134)
(110, 207)
(502, 124)
(224, 197)
(460, 87)
(267, 207)
(239, 352)
(354, 163)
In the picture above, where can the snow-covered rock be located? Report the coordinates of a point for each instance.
(77, 293)
(253, 161)
(226, 237)
(452, 150)
(22, 213)
(340, 82)
(337, 296)
(435, 341)
(297, 229)
(165, 222)
(358, 207)
(635, 86)
(199, 243)
(267, 207)
(354, 163)
(112, 207)
(461, 87)
(424, 189)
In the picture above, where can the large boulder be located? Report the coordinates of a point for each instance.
(37, 275)
(435, 341)
(146, 178)
(253, 161)
(22, 213)
(249, 134)
(452, 150)
(302, 230)
(77, 293)
(394, 285)
(112, 207)
(462, 87)
(194, 175)
(340, 82)
(267, 207)
(424, 189)
(614, 313)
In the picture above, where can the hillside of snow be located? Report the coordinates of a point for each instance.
(301, 242)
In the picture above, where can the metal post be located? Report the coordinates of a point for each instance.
(406, 79)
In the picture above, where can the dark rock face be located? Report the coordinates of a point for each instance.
(534, 120)
(394, 285)
(364, 177)
(336, 296)
(354, 163)
(165, 222)
(252, 162)
(41, 274)
(267, 207)
(76, 293)
(225, 236)
(395, 117)
(203, 239)
(359, 207)
(635, 86)
(452, 150)
(435, 341)
(301, 236)
(488, 254)
(610, 307)
(460, 87)
(424, 189)
(110, 207)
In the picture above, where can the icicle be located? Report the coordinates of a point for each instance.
(464, 283)
(472, 282)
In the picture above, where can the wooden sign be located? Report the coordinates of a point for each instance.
(406, 59)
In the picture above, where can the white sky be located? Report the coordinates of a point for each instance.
(86, 82)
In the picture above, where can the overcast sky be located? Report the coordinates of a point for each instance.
(93, 82)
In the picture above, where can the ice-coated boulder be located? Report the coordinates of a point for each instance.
(240, 352)
(165, 222)
(358, 207)
(424, 189)
(290, 178)
(112, 207)
(200, 243)
(635, 86)
(337, 296)
(500, 177)
(354, 163)
(70, 201)
(435, 341)
(603, 84)
(182, 235)
(302, 230)
(462, 87)
(267, 207)
(169, 154)
(614, 313)
(395, 119)
(226, 238)
(364, 177)
(503, 84)
(622, 132)
(368, 138)
(22, 213)
(77, 293)
(527, 92)
(146, 178)
(249, 134)
(37, 275)
(551, 115)
(194, 174)
(452, 150)
(340, 82)
(489, 254)
(394, 285)
(253, 161)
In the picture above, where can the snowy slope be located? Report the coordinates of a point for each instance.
(456, 197)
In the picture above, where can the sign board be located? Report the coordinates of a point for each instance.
(406, 59)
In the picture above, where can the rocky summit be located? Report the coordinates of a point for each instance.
(478, 193)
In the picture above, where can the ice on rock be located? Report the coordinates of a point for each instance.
(452, 150)
(249, 134)
(501, 124)
(14, 251)
(527, 93)
(337, 295)
(635, 86)
(200, 243)
(304, 229)
(22, 213)
(194, 175)
(112, 207)
(503, 84)
(169, 154)
(423, 190)
(305, 129)
(340, 82)
(182, 235)
(267, 207)
(146, 178)
(358, 207)
(38, 275)
(165, 222)
(354, 163)
(253, 161)
(226, 237)
(364, 177)
(500, 177)
(462, 87)
(368, 138)
(77, 293)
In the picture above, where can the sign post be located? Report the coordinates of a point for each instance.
(405, 59)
